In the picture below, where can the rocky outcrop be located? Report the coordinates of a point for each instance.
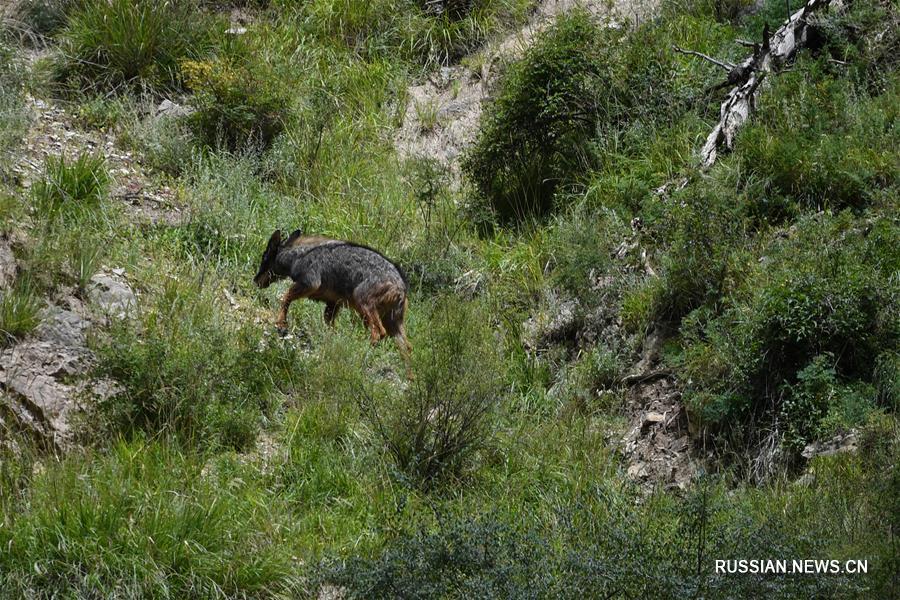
(53, 132)
(658, 448)
(44, 381)
(7, 264)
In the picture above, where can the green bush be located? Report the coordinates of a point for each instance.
(436, 428)
(71, 185)
(802, 332)
(582, 244)
(818, 404)
(188, 375)
(108, 44)
(705, 228)
(617, 553)
(237, 105)
(578, 82)
(821, 143)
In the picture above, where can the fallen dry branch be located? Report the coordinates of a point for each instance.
(745, 78)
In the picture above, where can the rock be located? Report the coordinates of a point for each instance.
(44, 379)
(35, 376)
(469, 284)
(657, 447)
(7, 264)
(840, 443)
(332, 592)
(167, 108)
(555, 324)
(63, 327)
(111, 294)
(652, 418)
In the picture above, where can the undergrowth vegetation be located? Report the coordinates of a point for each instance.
(578, 251)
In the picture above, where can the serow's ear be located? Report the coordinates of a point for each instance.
(275, 240)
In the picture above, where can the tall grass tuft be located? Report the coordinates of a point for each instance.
(19, 307)
(141, 521)
(71, 184)
(108, 44)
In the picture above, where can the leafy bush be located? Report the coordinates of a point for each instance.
(705, 228)
(237, 105)
(621, 552)
(818, 404)
(816, 141)
(108, 44)
(582, 245)
(443, 419)
(186, 374)
(801, 329)
(71, 185)
(577, 82)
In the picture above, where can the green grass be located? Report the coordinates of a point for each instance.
(232, 463)
(19, 308)
(108, 45)
(72, 185)
(13, 118)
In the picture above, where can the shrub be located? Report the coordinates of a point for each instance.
(186, 374)
(818, 404)
(618, 552)
(71, 185)
(237, 105)
(821, 143)
(443, 419)
(828, 291)
(582, 245)
(577, 82)
(705, 229)
(108, 44)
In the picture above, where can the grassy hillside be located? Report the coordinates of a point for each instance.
(231, 462)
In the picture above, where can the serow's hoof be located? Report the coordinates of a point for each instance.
(282, 331)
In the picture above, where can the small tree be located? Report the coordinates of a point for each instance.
(443, 419)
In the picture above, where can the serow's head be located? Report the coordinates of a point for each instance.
(266, 274)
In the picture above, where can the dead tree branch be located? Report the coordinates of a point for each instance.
(725, 65)
(774, 52)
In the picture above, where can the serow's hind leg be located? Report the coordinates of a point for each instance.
(403, 343)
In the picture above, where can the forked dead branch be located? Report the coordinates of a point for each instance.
(770, 54)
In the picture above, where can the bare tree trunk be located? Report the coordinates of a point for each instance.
(774, 52)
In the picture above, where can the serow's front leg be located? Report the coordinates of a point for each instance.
(295, 292)
(331, 312)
